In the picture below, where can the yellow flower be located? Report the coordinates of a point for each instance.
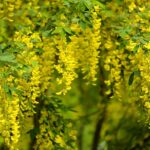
(59, 140)
(132, 6)
(147, 105)
(147, 45)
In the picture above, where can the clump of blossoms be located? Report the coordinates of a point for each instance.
(43, 58)
(125, 51)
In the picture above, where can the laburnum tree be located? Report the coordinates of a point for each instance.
(74, 74)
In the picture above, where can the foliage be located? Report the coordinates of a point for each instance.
(46, 49)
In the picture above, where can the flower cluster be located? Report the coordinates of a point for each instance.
(9, 110)
(8, 9)
(67, 64)
(45, 51)
(125, 52)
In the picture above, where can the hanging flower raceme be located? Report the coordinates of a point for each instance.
(47, 63)
(144, 68)
(10, 112)
(88, 51)
(67, 64)
(8, 9)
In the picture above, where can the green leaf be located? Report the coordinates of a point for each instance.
(83, 25)
(34, 63)
(20, 45)
(67, 30)
(131, 78)
(58, 30)
(136, 49)
(39, 50)
(133, 74)
(7, 90)
(46, 33)
(7, 58)
(87, 3)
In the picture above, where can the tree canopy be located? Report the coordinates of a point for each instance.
(74, 74)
